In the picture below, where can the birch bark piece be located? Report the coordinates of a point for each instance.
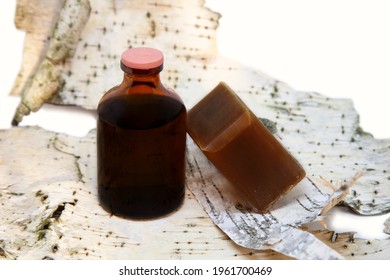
(387, 226)
(46, 80)
(37, 19)
(355, 248)
(50, 210)
(276, 229)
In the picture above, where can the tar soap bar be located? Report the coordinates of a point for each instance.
(242, 148)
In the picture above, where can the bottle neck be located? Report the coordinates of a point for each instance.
(141, 78)
(132, 75)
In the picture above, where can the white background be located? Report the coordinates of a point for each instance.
(337, 48)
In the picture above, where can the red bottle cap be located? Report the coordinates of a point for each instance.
(142, 58)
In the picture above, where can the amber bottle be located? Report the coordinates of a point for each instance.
(141, 136)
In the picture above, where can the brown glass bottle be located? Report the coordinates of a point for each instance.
(141, 135)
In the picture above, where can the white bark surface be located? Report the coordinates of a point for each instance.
(46, 80)
(50, 210)
(387, 226)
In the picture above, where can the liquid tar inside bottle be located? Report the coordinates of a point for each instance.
(141, 134)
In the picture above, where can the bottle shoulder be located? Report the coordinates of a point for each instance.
(140, 88)
(111, 93)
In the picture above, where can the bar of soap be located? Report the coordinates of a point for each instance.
(242, 148)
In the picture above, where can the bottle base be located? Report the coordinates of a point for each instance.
(140, 205)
